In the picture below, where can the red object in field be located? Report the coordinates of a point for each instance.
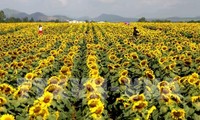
(40, 32)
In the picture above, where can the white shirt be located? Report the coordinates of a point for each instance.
(40, 28)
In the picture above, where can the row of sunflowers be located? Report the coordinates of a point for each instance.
(99, 71)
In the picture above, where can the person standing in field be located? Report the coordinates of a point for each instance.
(135, 32)
(40, 32)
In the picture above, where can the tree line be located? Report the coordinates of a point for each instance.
(3, 18)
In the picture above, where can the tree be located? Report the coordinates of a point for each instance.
(13, 19)
(25, 19)
(142, 19)
(2, 16)
(31, 20)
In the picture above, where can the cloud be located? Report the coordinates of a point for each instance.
(107, 1)
(127, 8)
(64, 2)
(161, 3)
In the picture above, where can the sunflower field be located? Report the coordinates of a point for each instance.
(98, 71)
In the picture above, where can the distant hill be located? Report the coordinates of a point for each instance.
(62, 17)
(84, 18)
(36, 16)
(103, 17)
(113, 18)
(10, 12)
(175, 19)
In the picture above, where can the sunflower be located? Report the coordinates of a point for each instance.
(46, 98)
(71, 54)
(162, 84)
(112, 67)
(18, 93)
(63, 79)
(125, 64)
(191, 80)
(7, 117)
(117, 65)
(36, 109)
(176, 78)
(144, 63)
(150, 75)
(165, 98)
(98, 109)
(37, 72)
(175, 98)
(2, 101)
(29, 76)
(124, 80)
(172, 66)
(136, 98)
(89, 63)
(2, 73)
(20, 64)
(65, 71)
(195, 99)
(91, 58)
(53, 53)
(98, 81)
(187, 61)
(68, 63)
(93, 66)
(195, 75)
(94, 103)
(179, 48)
(139, 106)
(90, 87)
(182, 56)
(43, 63)
(126, 105)
(178, 114)
(164, 48)
(53, 88)
(197, 60)
(53, 80)
(120, 99)
(6, 88)
(123, 72)
(197, 83)
(134, 55)
(93, 73)
(182, 80)
(50, 59)
(165, 90)
(39, 110)
(24, 88)
(93, 95)
(150, 111)
(162, 60)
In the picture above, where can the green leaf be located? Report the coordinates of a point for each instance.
(52, 117)
(196, 117)
(197, 106)
(189, 110)
(67, 103)
(15, 103)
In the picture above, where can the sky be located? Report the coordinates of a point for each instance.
(93, 8)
